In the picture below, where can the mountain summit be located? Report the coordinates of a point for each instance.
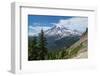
(60, 31)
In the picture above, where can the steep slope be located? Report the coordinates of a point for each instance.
(76, 51)
(79, 49)
(82, 55)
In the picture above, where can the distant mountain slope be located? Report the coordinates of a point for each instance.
(60, 36)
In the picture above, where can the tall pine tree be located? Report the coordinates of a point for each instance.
(42, 45)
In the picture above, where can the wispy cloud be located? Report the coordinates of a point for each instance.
(41, 24)
(34, 30)
(79, 23)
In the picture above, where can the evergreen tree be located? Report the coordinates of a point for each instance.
(42, 45)
(85, 31)
(34, 42)
(32, 49)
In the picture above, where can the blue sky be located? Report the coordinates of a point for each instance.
(38, 22)
(46, 20)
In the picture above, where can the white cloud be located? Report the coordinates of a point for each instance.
(41, 24)
(73, 21)
(37, 24)
(79, 23)
(34, 30)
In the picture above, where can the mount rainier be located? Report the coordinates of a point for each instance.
(60, 36)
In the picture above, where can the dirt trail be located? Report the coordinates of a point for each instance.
(82, 55)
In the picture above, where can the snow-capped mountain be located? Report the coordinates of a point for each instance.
(60, 31)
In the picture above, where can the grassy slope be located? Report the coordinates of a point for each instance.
(77, 50)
